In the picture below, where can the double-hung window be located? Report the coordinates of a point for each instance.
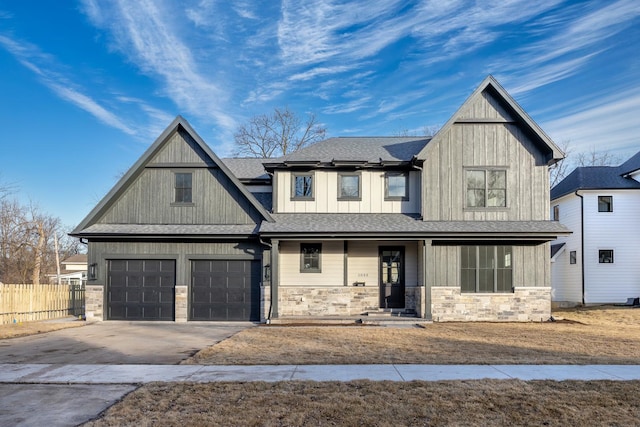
(310, 257)
(349, 186)
(396, 186)
(302, 186)
(183, 188)
(486, 188)
(486, 269)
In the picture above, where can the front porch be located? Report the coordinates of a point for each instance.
(352, 278)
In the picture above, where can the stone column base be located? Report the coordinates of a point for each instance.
(94, 302)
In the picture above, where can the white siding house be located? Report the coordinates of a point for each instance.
(599, 263)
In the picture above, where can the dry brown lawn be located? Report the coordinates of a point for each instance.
(609, 335)
(14, 330)
(366, 403)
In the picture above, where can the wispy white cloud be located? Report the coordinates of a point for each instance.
(148, 35)
(321, 71)
(606, 123)
(40, 63)
(567, 45)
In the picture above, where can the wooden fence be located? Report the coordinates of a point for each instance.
(24, 303)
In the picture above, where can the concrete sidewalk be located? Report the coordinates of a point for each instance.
(137, 374)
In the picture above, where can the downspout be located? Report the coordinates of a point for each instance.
(581, 240)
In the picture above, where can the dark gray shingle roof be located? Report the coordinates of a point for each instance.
(247, 168)
(364, 149)
(555, 248)
(631, 165)
(402, 224)
(599, 177)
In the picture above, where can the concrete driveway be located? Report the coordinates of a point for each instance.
(98, 343)
(119, 343)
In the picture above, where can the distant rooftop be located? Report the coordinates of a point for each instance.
(599, 177)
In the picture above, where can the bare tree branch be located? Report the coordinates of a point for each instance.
(277, 134)
(592, 157)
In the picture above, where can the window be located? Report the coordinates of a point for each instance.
(310, 257)
(605, 256)
(349, 186)
(396, 186)
(183, 187)
(605, 203)
(486, 269)
(302, 186)
(572, 257)
(486, 188)
(556, 213)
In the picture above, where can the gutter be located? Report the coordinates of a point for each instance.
(581, 240)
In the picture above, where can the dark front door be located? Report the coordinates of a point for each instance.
(391, 277)
(139, 289)
(225, 290)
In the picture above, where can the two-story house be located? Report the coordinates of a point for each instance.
(599, 262)
(454, 227)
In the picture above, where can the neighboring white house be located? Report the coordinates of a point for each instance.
(73, 271)
(600, 262)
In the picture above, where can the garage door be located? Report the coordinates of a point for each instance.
(141, 289)
(225, 290)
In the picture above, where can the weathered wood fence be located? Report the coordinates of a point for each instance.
(24, 303)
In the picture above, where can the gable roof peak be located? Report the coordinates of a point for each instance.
(139, 165)
(491, 83)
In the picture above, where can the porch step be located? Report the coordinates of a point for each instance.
(393, 321)
(391, 312)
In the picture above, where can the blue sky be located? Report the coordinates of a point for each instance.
(87, 86)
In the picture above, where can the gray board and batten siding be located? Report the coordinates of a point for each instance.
(484, 135)
(137, 232)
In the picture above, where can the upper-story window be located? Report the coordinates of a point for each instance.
(556, 213)
(183, 187)
(605, 203)
(349, 186)
(396, 186)
(486, 188)
(605, 256)
(302, 186)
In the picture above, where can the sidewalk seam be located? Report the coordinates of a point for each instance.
(399, 374)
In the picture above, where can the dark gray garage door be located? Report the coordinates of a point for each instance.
(141, 289)
(225, 290)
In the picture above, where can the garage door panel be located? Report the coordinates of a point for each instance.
(230, 291)
(141, 289)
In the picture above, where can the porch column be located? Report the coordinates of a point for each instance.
(275, 277)
(345, 271)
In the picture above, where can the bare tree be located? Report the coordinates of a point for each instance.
(592, 157)
(27, 243)
(559, 170)
(425, 131)
(277, 134)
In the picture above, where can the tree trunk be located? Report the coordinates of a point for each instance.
(39, 249)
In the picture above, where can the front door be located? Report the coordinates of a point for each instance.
(391, 277)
